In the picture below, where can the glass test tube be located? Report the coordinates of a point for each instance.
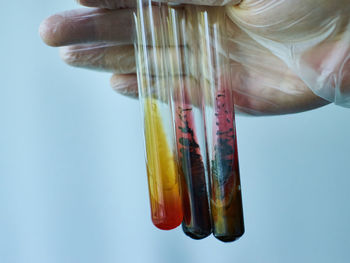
(225, 187)
(182, 53)
(162, 170)
(187, 101)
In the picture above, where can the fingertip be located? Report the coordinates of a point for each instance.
(67, 55)
(125, 84)
(49, 30)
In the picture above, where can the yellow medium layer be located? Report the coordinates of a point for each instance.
(162, 171)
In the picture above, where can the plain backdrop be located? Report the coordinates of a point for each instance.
(73, 181)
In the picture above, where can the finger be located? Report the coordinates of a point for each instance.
(117, 58)
(115, 4)
(88, 26)
(107, 57)
(255, 101)
(108, 4)
(125, 84)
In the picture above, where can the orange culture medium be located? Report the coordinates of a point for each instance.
(164, 189)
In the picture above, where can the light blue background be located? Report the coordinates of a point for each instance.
(73, 182)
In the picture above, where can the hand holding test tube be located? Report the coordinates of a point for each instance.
(264, 86)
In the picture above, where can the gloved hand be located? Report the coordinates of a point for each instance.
(287, 56)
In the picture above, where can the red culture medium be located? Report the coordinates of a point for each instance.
(226, 199)
(197, 221)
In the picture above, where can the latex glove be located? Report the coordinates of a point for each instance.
(312, 37)
(264, 83)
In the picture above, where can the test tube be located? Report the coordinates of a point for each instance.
(225, 187)
(189, 120)
(162, 169)
(187, 102)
